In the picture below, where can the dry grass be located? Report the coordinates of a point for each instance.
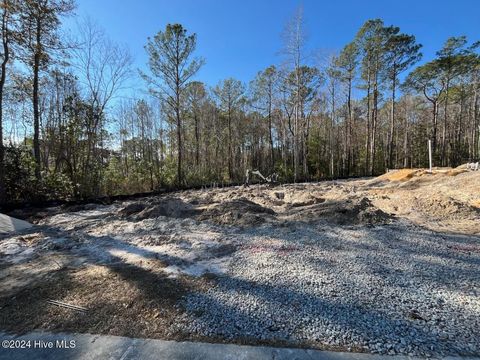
(121, 300)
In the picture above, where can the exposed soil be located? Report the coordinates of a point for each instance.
(443, 201)
(238, 212)
(120, 300)
(140, 266)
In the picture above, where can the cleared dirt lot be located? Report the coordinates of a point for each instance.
(387, 265)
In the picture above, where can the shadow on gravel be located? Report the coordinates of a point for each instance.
(137, 300)
(252, 326)
(437, 266)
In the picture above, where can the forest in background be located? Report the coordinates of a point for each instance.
(67, 133)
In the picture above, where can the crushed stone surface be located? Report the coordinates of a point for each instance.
(390, 290)
(388, 265)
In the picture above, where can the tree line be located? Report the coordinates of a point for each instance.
(68, 132)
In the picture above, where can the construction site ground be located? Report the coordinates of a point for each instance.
(387, 265)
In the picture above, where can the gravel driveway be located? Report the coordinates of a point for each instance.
(388, 289)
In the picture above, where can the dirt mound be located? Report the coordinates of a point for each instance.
(241, 212)
(131, 209)
(405, 175)
(455, 172)
(447, 200)
(312, 200)
(358, 211)
(362, 212)
(445, 208)
(172, 207)
(299, 198)
(399, 175)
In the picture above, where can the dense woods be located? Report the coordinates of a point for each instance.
(67, 131)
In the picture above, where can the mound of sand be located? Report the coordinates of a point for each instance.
(131, 209)
(344, 211)
(446, 200)
(363, 211)
(357, 211)
(400, 175)
(440, 207)
(404, 175)
(241, 211)
(455, 172)
(170, 207)
(9, 224)
(302, 198)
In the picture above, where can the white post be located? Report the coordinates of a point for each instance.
(430, 154)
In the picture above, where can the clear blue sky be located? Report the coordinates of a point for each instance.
(239, 38)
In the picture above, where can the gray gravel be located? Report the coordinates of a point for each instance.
(392, 289)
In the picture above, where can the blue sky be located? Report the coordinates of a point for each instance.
(239, 38)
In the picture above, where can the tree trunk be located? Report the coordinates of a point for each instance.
(270, 132)
(476, 124)
(230, 170)
(180, 179)
(349, 127)
(36, 112)
(374, 129)
(405, 137)
(6, 57)
(392, 125)
(306, 135)
(179, 143)
(197, 140)
(367, 132)
(332, 127)
(435, 125)
(445, 121)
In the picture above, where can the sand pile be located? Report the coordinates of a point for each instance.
(302, 198)
(170, 207)
(440, 207)
(241, 211)
(400, 175)
(364, 212)
(356, 211)
(404, 175)
(446, 200)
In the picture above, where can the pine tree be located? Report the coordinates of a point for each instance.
(170, 53)
(401, 52)
(39, 22)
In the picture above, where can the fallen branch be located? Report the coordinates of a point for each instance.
(68, 306)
